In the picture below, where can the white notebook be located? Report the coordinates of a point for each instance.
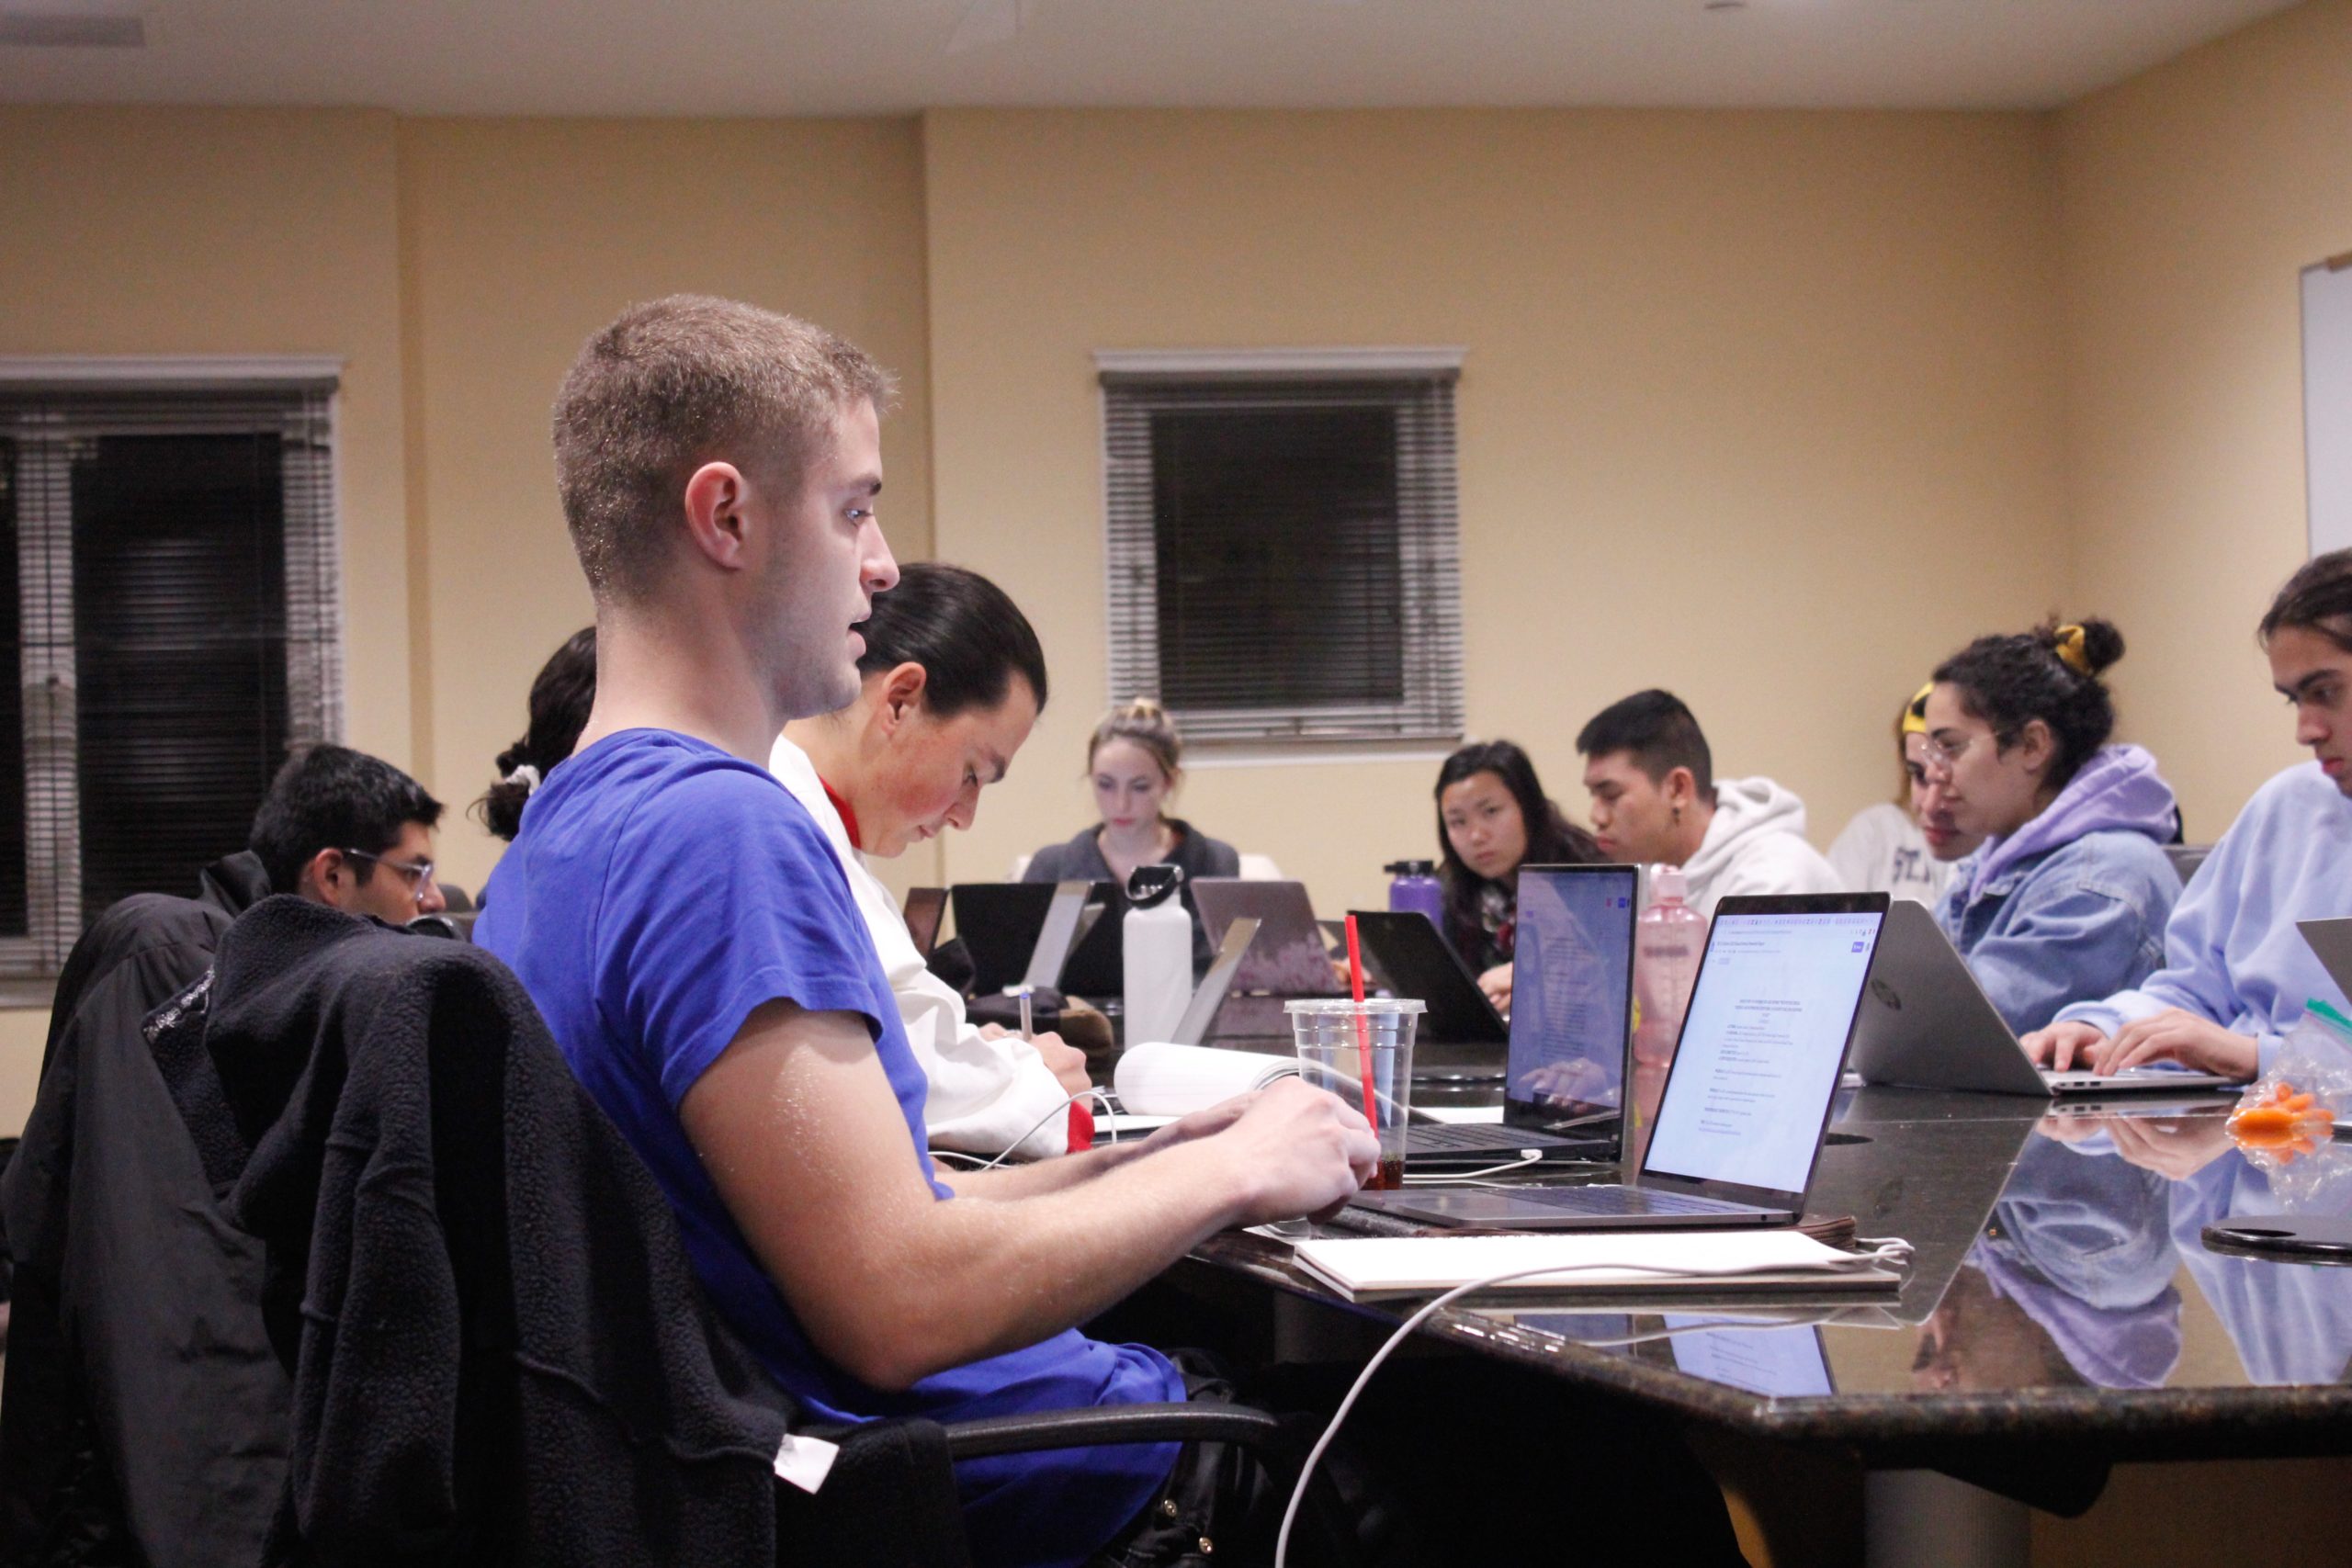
(1162, 1079)
(1620, 1261)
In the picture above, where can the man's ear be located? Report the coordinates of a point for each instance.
(1680, 788)
(902, 691)
(322, 876)
(714, 497)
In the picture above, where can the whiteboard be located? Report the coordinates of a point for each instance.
(2327, 403)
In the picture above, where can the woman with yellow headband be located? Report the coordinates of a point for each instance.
(2068, 895)
(1896, 846)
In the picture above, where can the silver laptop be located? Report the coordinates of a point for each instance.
(1563, 1087)
(1746, 1102)
(1289, 958)
(2331, 942)
(1926, 1023)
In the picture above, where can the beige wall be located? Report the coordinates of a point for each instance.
(521, 238)
(2191, 198)
(151, 231)
(1734, 382)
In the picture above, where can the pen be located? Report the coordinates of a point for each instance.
(1026, 1033)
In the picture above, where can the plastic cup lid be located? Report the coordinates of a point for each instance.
(1346, 1007)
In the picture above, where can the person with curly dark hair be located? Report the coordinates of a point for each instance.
(2069, 892)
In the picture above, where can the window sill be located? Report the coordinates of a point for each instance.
(28, 995)
(1209, 754)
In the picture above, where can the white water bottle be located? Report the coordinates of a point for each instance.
(1157, 938)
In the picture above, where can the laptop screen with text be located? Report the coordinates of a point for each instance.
(1761, 1047)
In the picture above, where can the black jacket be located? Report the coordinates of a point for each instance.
(141, 1419)
(498, 1347)
(1196, 854)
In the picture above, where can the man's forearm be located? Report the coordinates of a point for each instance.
(1026, 1269)
(1035, 1178)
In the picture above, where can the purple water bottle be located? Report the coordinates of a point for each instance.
(1413, 885)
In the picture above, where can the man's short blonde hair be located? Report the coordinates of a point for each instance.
(678, 383)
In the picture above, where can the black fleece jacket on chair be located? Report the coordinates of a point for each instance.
(499, 1351)
(143, 1416)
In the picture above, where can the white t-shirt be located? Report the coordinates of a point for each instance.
(983, 1092)
(1882, 850)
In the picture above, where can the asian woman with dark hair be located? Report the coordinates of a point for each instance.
(1493, 818)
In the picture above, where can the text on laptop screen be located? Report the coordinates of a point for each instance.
(1761, 1047)
(1570, 974)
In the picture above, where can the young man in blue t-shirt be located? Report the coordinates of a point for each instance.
(680, 920)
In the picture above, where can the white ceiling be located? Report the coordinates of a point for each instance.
(783, 57)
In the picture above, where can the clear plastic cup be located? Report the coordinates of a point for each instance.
(1335, 1038)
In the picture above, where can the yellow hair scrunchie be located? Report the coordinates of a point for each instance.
(2070, 652)
(1915, 712)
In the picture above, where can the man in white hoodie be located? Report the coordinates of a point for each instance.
(1655, 797)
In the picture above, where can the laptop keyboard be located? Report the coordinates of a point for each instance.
(1467, 1136)
(1613, 1199)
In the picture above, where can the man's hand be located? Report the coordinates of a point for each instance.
(2178, 1035)
(2057, 1046)
(1305, 1150)
(1066, 1063)
(1495, 983)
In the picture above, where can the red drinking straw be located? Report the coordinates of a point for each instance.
(1364, 1024)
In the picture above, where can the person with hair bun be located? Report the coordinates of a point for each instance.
(2236, 972)
(950, 683)
(1134, 761)
(561, 694)
(2069, 892)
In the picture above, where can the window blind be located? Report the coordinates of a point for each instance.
(1282, 553)
(176, 632)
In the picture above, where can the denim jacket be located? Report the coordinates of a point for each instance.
(2084, 919)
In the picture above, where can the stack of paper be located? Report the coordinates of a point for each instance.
(1618, 1261)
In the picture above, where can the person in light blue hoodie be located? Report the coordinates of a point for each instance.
(2068, 894)
(2236, 972)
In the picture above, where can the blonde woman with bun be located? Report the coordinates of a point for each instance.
(1134, 764)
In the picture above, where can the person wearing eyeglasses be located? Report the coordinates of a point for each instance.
(2237, 972)
(346, 829)
(2068, 894)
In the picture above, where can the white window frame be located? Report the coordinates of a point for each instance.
(1433, 578)
(315, 690)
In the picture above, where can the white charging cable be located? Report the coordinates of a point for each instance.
(1068, 1101)
(1456, 1177)
(1891, 1251)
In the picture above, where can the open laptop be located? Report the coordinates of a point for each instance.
(2331, 942)
(1408, 956)
(1571, 1028)
(925, 908)
(1289, 958)
(1014, 936)
(1926, 1023)
(1746, 1101)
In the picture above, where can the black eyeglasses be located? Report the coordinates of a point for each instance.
(418, 872)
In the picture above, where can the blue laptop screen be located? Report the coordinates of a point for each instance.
(1761, 1047)
(1571, 975)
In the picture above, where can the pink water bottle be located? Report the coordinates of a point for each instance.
(1667, 939)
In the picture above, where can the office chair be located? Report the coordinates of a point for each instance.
(325, 1026)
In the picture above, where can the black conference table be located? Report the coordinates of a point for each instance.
(2060, 1314)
